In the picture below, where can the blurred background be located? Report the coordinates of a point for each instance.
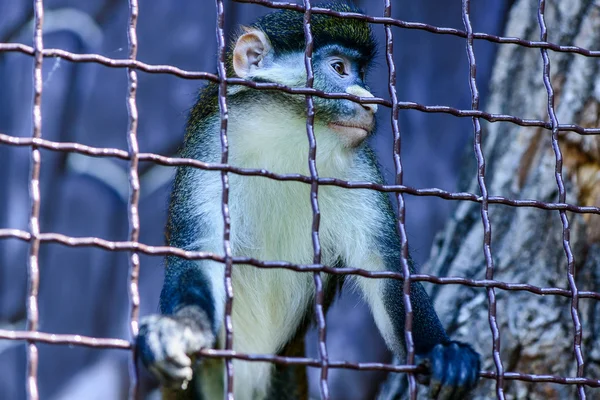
(84, 290)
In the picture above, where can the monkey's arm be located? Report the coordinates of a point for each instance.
(453, 366)
(192, 297)
(190, 311)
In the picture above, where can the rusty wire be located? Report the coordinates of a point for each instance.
(485, 219)
(314, 203)
(409, 105)
(35, 237)
(401, 209)
(227, 260)
(34, 194)
(562, 195)
(134, 195)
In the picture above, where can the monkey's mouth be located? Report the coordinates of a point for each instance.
(351, 133)
(345, 126)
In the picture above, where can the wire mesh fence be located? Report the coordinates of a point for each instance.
(134, 156)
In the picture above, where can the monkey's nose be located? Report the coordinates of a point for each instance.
(362, 92)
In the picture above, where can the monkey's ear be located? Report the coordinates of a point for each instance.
(250, 51)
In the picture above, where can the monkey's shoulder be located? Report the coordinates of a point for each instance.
(206, 106)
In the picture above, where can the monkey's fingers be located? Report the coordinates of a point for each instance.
(454, 368)
(164, 342)
(172, 375)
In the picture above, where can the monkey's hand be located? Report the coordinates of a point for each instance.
(453, 370)
(165, 342)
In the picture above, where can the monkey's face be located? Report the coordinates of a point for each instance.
(338, 69)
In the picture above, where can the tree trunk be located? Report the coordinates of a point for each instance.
(537, 332)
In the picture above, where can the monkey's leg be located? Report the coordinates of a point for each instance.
(290, 381)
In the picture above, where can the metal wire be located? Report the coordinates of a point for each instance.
(397, 147)
(485, 219)
(409, 105)
(134, 196)
(562, 194)
(35, 237)
(314, 202)
(34, 194)
(224, 116)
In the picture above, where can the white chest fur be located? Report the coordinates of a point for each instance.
(272, 221)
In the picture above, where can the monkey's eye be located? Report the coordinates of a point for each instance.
(339, 67)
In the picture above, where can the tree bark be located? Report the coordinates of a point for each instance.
(537, 332)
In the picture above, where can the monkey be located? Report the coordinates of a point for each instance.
(271, 220)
